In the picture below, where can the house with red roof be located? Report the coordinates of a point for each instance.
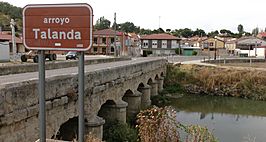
(160, 44)
(104, 42)
(7, 37)
(262, 35)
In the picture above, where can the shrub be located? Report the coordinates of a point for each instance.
(177, 51)
(160, 125)
(194, 53)
(118, 132)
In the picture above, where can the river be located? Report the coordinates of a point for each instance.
(230, 119)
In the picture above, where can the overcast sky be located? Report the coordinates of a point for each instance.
(208, 15)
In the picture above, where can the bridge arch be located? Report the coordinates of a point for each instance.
(68, 131)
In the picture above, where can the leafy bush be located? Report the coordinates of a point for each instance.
(194, 53)
(177, 51)
(119, 132)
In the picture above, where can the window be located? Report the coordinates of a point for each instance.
(145, 44)
(154, 43)
(112, 49)
(112, 40)
(95, 40)
(211, 44)
(95, 49)
(104, 40)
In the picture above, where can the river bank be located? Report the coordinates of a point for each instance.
(206, 80)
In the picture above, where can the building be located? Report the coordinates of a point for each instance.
(134, 48)
(7, 37)
(213, 44)
(104, 42)
(230, 45)
(262, 35)
(194, 41)
(160, 44)
(251, 47)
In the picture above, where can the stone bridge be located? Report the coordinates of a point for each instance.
(114, 92)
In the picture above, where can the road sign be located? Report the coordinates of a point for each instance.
(58, 27)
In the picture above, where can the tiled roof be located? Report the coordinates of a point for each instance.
(107, 32)
(7, 37)
(262, 34)
(159, 36)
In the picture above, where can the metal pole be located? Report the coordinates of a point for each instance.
(81, 96)
(215, 50)
(41, 90)
(14, 47)
(116, 51)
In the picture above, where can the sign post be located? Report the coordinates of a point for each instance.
(81, 97)
(41, 90)
(65, 27)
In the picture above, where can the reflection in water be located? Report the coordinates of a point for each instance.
(230, 119)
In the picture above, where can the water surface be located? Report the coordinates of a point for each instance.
(230, 119)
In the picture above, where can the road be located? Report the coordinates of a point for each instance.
(8, 79)
(59, 58)
(16, 78)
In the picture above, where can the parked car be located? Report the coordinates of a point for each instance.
(32, 54)
(71, 55)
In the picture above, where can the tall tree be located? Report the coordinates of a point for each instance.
(7, 12)
(255, 31)
(145, 31)
(168, 30)
(240, 29)
(199, 32)
(213, 33)
(128, 27)
(102, 23)
(186, 32)
(226, 32)
(13, 11)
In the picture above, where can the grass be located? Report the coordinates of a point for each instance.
(243, 83)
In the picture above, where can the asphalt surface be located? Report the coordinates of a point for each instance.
(16, 78)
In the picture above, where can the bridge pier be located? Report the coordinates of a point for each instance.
(154, 88)
(134, 103)
(117, 111)
(146, 96)
(94, 126)
(160, 84)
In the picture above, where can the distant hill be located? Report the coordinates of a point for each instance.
(7, 12)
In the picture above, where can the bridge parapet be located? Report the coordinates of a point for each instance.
(19, 101)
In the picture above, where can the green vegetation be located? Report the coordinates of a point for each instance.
(178, 51)
(8, 12)
(194, 53)
(118, 132)
(102, 23)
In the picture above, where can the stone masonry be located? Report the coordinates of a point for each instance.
(19, 101)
